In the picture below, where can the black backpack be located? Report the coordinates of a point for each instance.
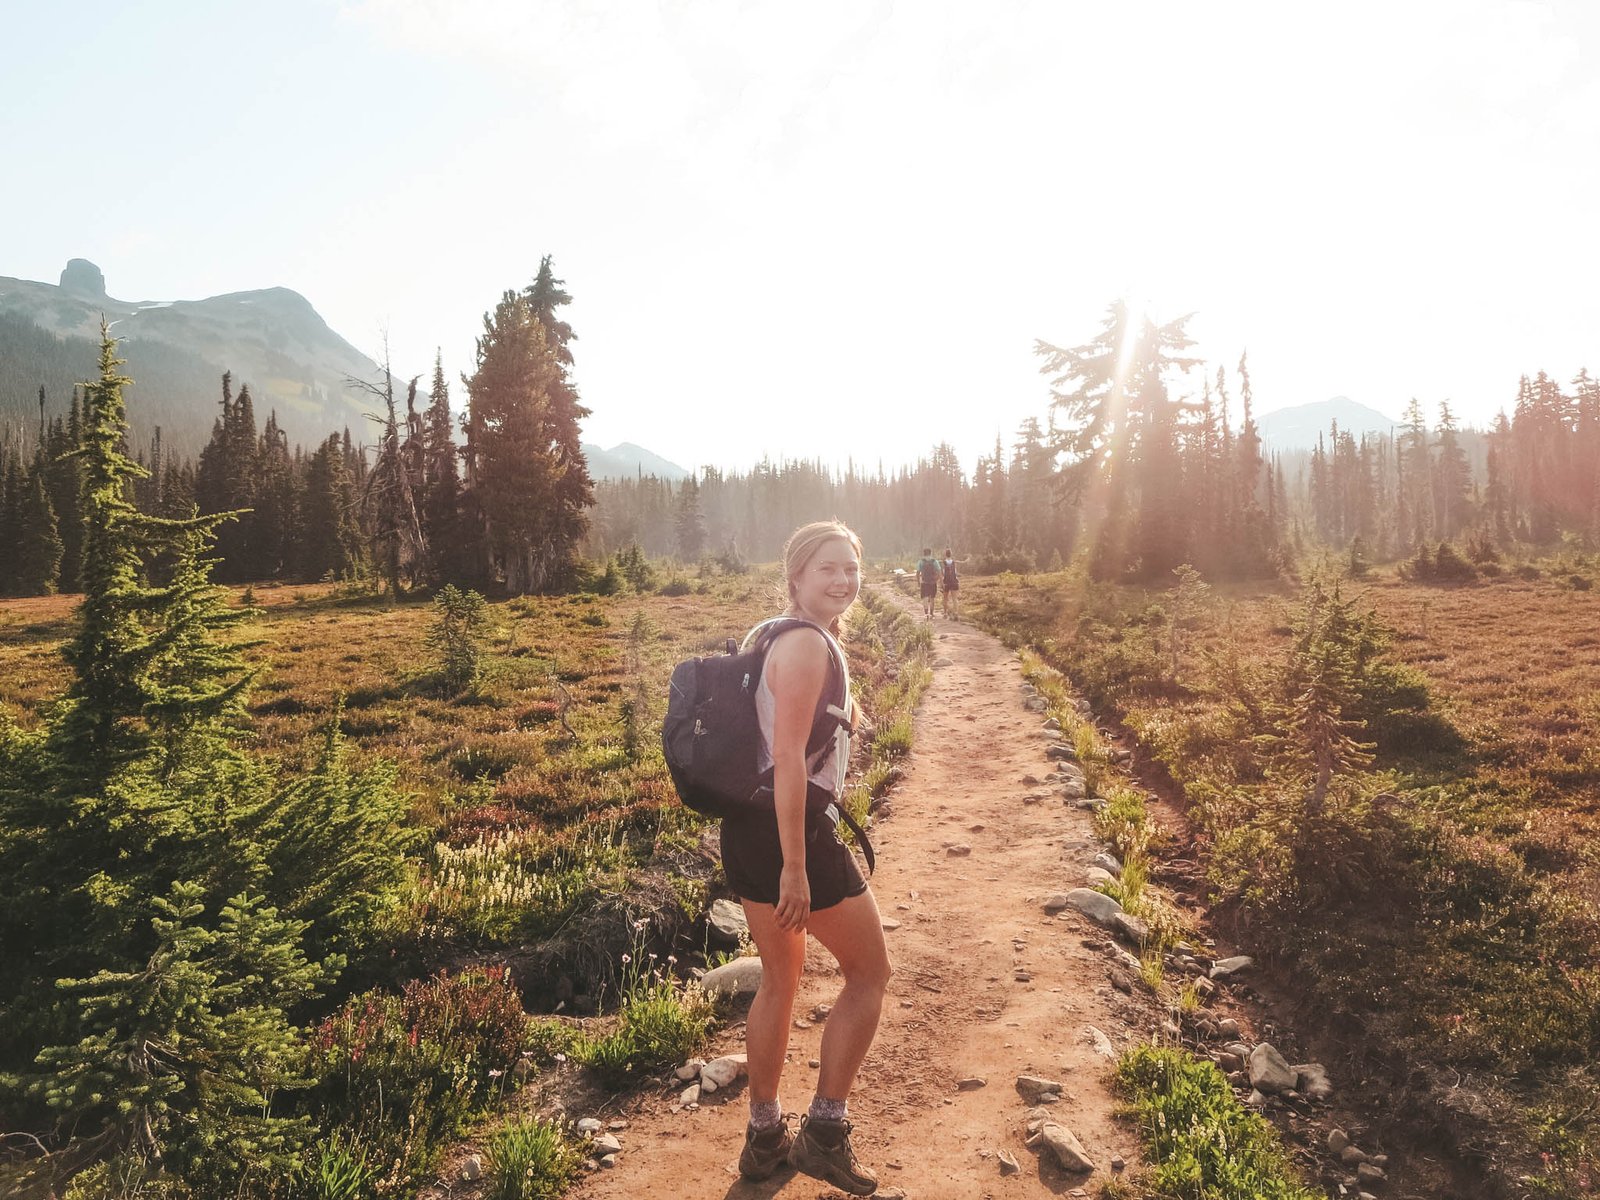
(711, 732)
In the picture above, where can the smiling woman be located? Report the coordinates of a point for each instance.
(794, 873)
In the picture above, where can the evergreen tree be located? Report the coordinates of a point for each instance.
(1419, 473)
(1453, 486)
(226, 481)
(1110, 394)
(691, 522)
(38, 544)
(529, 480)
(175, 1061)
(573, 490)
(389, 498)
(63, 478)
(276, 517)
(1315, 737)
(441, 486)
(331, 541)
(100, 729)
(11, 490)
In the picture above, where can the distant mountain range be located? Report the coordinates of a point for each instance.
(1297, 428)
(176, 351)
(625, 461)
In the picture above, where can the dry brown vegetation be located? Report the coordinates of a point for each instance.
(1440, 918)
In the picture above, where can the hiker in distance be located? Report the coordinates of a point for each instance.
(928, 580)
(795, 875)
(951, 583)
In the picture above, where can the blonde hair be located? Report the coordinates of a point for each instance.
(802, 546)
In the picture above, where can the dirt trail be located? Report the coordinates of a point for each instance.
(986, 985)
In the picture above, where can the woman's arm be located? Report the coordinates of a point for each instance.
(797, 671)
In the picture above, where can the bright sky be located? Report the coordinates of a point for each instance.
(834, 228)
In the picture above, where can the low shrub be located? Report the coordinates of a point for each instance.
(1204, 1145)
(337, 1169)
(1018, 561)
(403, 1074)
(659, 1022)
(530, 1160)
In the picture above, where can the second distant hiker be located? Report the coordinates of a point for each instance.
(928, 578)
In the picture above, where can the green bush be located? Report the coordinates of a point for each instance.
(1202, 1142)
(1443, 564)
(404, 1073)
(659, 1022)
(530, 1160)
(337, 1169)
(460, 624)
(1018, 561)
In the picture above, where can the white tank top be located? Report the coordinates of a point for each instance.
(826, 768)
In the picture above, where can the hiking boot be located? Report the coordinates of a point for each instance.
(765, 1150)
(822, 1151)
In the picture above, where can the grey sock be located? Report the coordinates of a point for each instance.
(765, 1114)
(823, 1109)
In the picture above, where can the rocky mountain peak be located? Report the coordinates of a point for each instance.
(84, 278)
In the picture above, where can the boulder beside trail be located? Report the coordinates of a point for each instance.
(1270, 1072)
(739, 978)
(1097, 906)
(720, 1072)
(726, 922)
(1312, 1081)
(1225, 967)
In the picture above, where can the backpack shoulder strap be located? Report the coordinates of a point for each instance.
(762, 635)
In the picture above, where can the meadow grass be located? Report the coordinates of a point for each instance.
(552, 829)
(1444, 900)
(659, 1022)
(530, 1159)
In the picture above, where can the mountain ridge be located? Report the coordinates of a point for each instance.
(1298, 426)
(271, 339)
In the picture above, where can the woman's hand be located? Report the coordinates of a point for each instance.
(794, 897)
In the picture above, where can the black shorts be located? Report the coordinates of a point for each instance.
(752, 859)
(930, 590)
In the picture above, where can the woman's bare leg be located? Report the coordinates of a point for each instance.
(766, 1031)
(852, 930)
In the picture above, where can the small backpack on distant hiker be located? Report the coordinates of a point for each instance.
(711, 733)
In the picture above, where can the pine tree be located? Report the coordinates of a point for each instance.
(1110, 394)
(336, 844)
(175, 1061)
(389, 497)
(690, 523)
(1315, 739)
(441, 488)
(276, 517)
(39, 549)
(12, 481)
(1453, 490)
(528, 477)
(63, 478)
(100, 729)
(573, 490)
(331, 541)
